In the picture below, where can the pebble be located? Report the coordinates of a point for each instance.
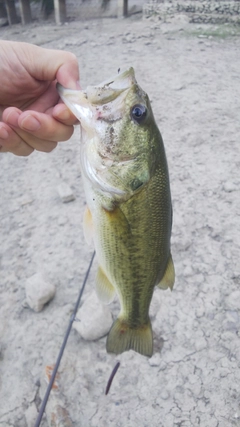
(155, 360)
(164, 395)
(93, 320)
(65, 192)
(38, 291)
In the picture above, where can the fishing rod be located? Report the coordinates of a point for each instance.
(72, 318)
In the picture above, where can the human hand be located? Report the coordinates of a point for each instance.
(32, 115)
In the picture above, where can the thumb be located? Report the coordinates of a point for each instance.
(49, 65)
(68, 73)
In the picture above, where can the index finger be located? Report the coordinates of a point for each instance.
(48, 64)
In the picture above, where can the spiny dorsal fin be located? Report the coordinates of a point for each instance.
(169, 276)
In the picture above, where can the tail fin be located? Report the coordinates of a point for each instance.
(122, 338)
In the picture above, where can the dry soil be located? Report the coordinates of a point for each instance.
(191, 74)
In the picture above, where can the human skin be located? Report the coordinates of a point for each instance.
(32, 116)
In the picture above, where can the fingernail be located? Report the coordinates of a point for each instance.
(64, 114)
(3, 133)
(72, 84)
(30, 123)
(12, 118)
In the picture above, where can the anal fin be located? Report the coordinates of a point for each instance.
(122, 338)
(169, 276)
(104, 288)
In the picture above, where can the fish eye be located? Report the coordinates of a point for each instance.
(138, 113)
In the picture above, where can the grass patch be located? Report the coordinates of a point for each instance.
(221, 31)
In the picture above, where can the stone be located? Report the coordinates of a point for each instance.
(155, 360)
(65, 192)
(38, 291)
(197, 11)
(164, 395)
(93, 320)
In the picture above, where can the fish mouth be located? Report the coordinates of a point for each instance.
(101, 102)
(109, 90)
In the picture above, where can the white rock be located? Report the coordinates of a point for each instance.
(65, 192)
(164, 395)
(155, 360)
(38, 291)
(93, 320)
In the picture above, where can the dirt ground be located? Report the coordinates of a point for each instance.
(191, 74)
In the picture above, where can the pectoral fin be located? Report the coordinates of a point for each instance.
(87, 226)
(105, 290)
(169, 276)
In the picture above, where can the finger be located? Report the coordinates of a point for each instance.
(61, 113)
(11, 115)
(68, 74)
(17, 135)
(46, 100)
(41, 126)
(10, 142)
(49, 64)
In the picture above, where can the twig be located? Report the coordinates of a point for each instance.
(111, 377)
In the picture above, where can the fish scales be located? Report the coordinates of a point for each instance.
(137, 252)
(129, 214)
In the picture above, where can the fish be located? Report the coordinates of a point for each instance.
(129, 210)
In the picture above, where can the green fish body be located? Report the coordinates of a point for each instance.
(129, 214)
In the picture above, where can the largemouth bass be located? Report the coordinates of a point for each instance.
(129, 211)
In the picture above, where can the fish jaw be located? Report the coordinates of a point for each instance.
(77, 103)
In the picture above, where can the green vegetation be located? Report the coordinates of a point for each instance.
(221, 31)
